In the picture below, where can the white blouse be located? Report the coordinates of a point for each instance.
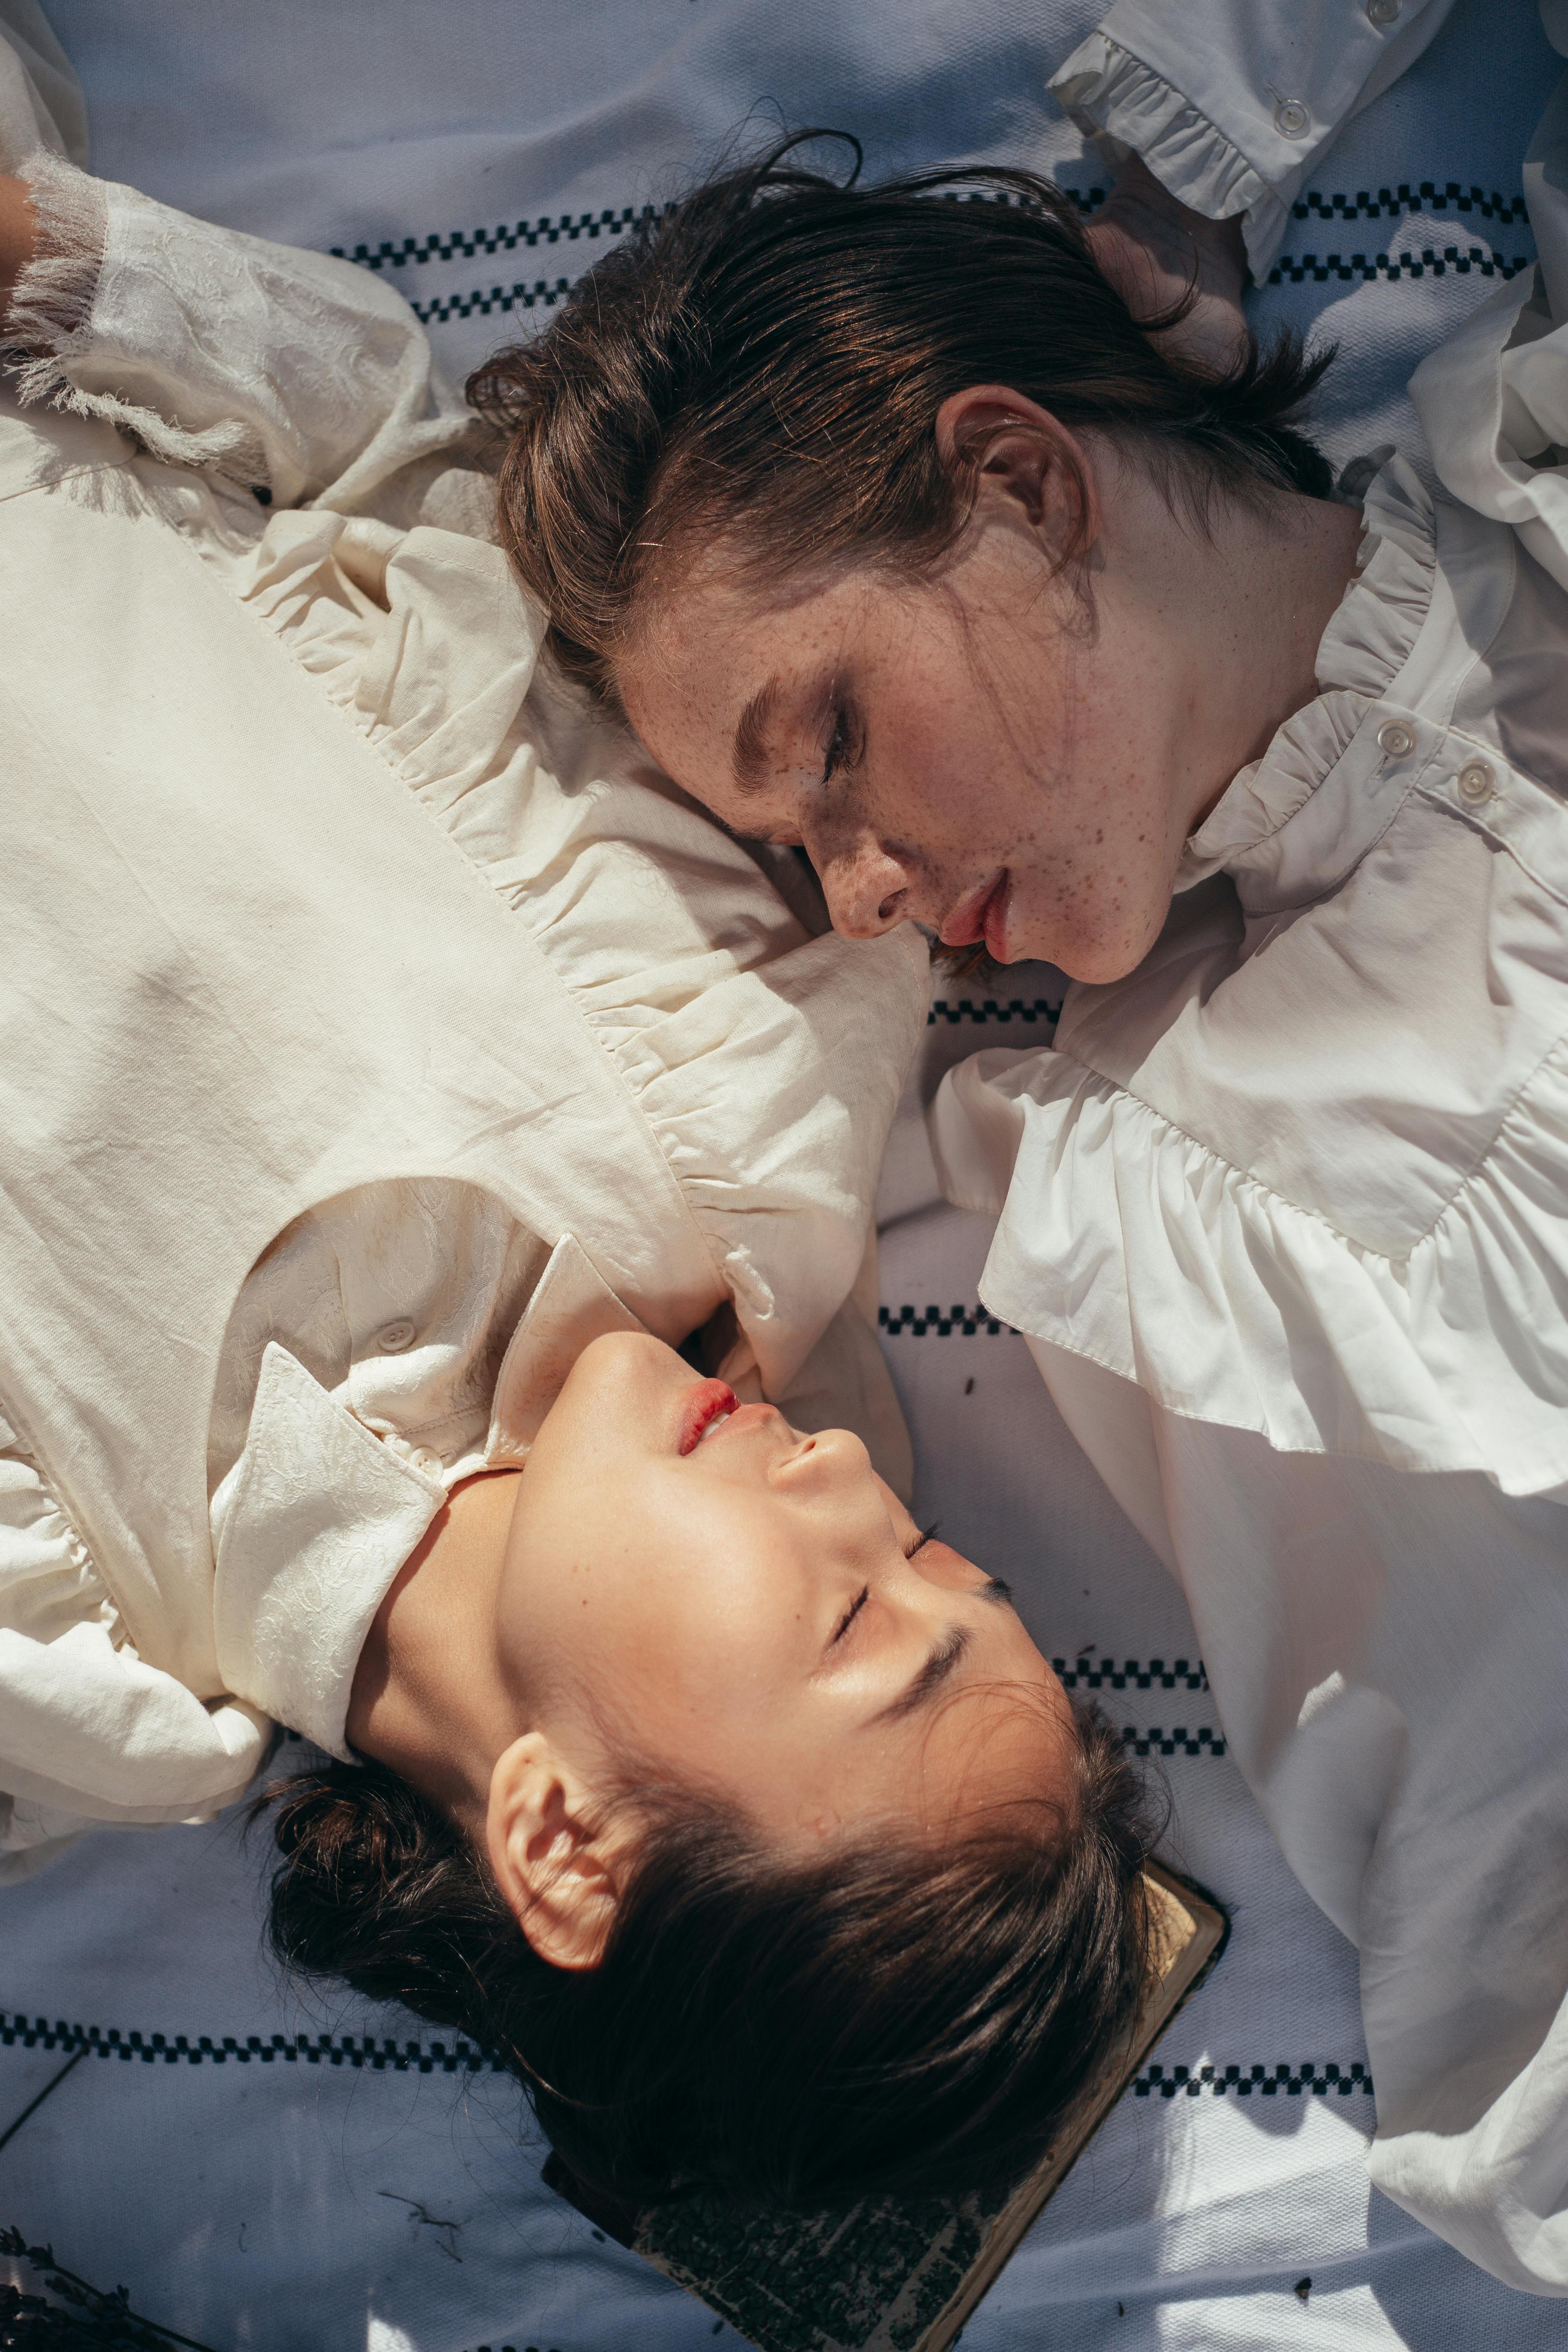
(344, 945)
(1285, 1213)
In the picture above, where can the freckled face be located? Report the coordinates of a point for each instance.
(987, 753)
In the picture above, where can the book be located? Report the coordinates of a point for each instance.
(884, 2275)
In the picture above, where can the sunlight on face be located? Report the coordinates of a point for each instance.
(981, 753)
(754, 1609)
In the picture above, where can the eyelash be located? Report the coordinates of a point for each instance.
(863, 1595)
(850, 1614)
(838, 748)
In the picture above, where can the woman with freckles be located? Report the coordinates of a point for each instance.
(987, 559)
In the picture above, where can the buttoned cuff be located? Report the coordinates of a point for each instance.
(311, 1527)
(1127, 108)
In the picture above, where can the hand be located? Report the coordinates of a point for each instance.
(18, 237)
(1153, 249)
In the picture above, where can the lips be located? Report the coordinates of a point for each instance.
(706, 1403)
(981, 916)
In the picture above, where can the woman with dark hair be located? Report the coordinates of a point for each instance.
(823, 1885)
(985, 556)
(395, 1066)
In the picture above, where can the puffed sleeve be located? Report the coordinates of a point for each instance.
(1231, 102)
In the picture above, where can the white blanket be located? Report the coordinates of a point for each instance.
(251, 2189)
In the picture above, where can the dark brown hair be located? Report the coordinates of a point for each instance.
(893, 2017)
(763, 365)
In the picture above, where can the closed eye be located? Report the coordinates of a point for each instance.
(923, 1538)
(850, 1614)
(838, 748)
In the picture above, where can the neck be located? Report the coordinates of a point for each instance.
(428, 1698)
(1275, 578)
(1222, 625)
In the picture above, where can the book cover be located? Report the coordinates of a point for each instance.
(889, 2276)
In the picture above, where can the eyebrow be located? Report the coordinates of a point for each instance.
(749, 756)
(950, 1650)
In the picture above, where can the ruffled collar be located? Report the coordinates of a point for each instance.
(1367, 643)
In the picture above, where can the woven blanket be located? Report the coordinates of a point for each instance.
(268, 2169)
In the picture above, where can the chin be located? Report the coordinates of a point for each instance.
(1096, 957)
(1097, 969)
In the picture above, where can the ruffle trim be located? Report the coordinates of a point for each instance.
(53, 1528)
(1125, 1240)
(1366, 644)
(1127, 108)
(1373, 634)
(718, 1006)
(70, 1578)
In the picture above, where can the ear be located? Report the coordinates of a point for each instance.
(1025, 466)
(555, 1869)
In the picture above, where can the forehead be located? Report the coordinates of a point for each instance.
(718, 644)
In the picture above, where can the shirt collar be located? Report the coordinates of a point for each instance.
(317, 1516)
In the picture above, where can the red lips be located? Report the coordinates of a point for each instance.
(705, 1402)
(981, 916)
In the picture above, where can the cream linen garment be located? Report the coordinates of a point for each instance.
(1285, 1213)
(376, 1026)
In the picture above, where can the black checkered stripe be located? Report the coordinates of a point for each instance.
(1307, 2080)
(360, 2052)
(544, 293)
(17, 2032)
(591, 228)
(577, 228)
(1175, 1742)
(943, 1320)
(569, 229)
(1135, 1673)
(1295, 270)
(1426, 197)
(1083, 1672)
(1016, 1008)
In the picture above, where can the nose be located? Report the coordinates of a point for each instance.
(866, 887)
(822, 1460)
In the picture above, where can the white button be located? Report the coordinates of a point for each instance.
(1475, 782)
(425, 1458)
(1395, 738)
(395, 1336)
(1291, 119)
(1382, 12)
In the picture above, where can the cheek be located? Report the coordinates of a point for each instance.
(678, 1630)
(1096, 863)
(943, 776)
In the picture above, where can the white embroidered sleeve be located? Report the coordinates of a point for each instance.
(287, 371)
(1231, 102)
